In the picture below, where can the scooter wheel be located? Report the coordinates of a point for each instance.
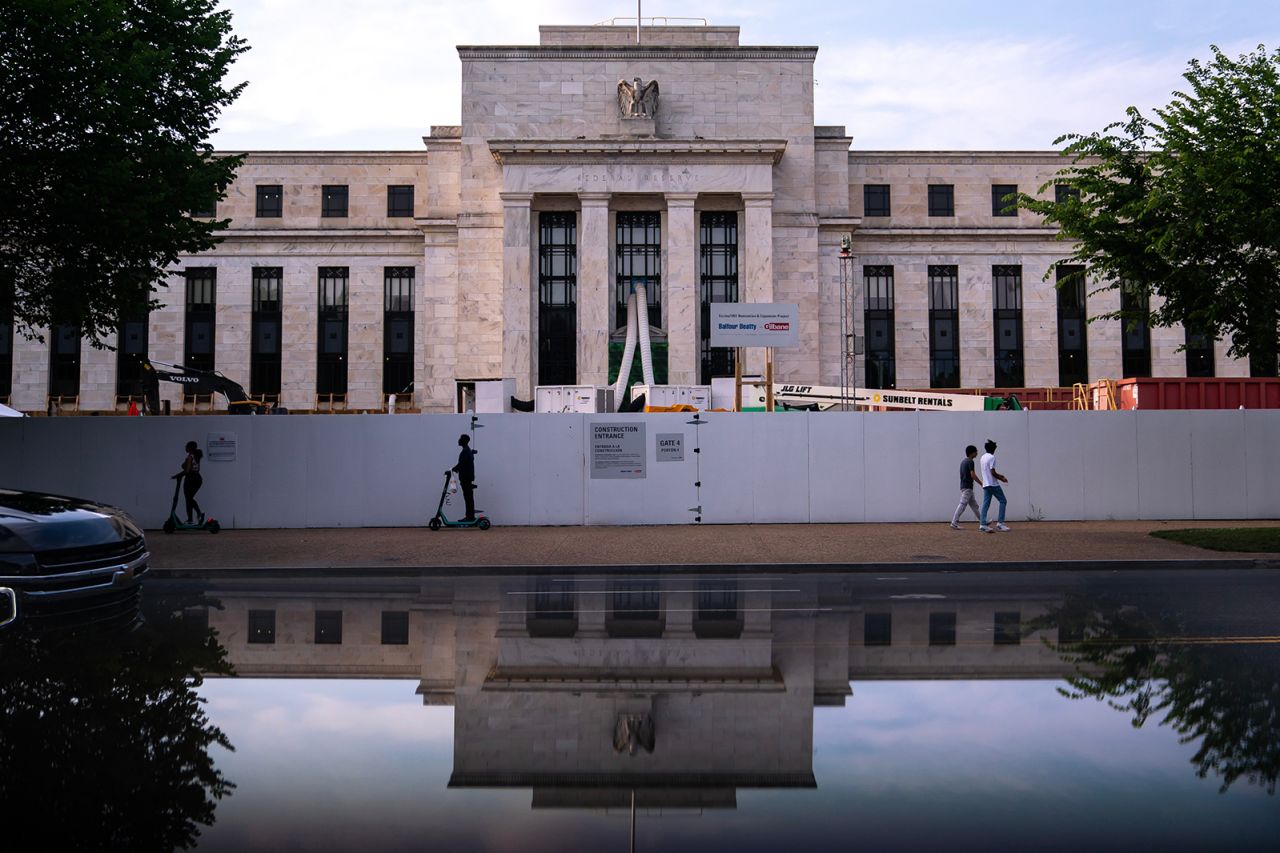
(483, 524)
(434, 524)
(213, 527)
(168, 526)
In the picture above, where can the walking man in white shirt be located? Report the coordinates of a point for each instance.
(991, 480)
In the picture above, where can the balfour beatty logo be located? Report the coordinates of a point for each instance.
(745, 327)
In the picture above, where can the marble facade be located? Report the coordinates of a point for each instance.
(541, 131)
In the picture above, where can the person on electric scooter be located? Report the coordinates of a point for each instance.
(191, 479)
(466, 471)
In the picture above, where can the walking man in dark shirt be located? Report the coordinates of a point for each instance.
(967, 481)
(466, 471)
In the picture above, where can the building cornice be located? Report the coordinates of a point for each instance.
(342, 158)
(1038, 234)
(682, 53)
(958, 157)
(578, 151)
(346, 234)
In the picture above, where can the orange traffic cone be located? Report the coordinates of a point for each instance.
(133, 409)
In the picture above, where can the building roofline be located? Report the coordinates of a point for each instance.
(685, 53)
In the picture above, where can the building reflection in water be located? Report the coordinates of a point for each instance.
(548, 675)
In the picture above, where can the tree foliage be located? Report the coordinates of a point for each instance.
(104, 739)
(105, 113)
(1186, 206)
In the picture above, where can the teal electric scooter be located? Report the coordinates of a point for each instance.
(440, 520)
(173, 523)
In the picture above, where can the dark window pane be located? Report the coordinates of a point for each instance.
(879, 324)
(1073, 356)
(877, 629)
(270, 201)
(942, 629)
(557, 298)
(875, 200)
(1001, 205)
(400, 201)
(718, 282)
(1008, 628)
(333, 201)
(944, 326)
(395, 627)
(638, 260)
(328, 627)
(942, 200)
(262, 626)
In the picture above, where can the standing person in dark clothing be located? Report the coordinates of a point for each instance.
(466, 471)
(967, 481)
(191, 479)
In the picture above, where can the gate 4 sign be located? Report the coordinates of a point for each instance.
(762, 324)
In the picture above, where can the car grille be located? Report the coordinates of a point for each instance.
(91, 557)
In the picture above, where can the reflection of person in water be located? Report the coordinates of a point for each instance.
(466, 471)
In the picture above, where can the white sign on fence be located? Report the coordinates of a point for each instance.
(617, 450)
(762, 324)
(670, 447)
(221, 446)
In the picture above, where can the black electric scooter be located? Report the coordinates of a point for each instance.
(439, 520)
(173, 523)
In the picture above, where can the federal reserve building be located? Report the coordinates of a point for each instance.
(589, 167)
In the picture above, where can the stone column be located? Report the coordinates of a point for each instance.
(517, 295)
(758, 266)
(681, 288)
(594, 288)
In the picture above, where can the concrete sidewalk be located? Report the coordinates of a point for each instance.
(924, 545)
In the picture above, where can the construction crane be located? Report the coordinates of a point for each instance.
(195, 382)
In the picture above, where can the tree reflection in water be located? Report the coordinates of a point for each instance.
(104, 744)
(1219, 693)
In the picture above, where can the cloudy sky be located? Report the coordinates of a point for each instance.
(899, 74)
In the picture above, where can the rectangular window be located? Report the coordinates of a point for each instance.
(64, 361)
(1199, 354)
(333, 201)
(638, 260)
(1008, 628)
(202, 294)
(634, 610)
(875, 200)
(395, 627)
(1136, 333)
(262, 626)
(718, 282)
(270, 201)
(719, 615)
(942, 629)
(944, 326)
(397, 330)
(331, 349)
(267, 321)
(942, 200)
(878, 319)
(1006, 283)
(328, 627)
(877, 629)
(552, 612)
(208, 209)
(1073, 350)
(557, 298)
(400, 201)
(1001, 203)
(6, 335)
(1062, 192)
(131, 350)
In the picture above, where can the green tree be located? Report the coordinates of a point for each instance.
(105, 112)
(1186, 206)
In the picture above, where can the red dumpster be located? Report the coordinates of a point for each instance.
(1176, 392)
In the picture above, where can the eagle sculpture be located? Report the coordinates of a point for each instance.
(637, 99)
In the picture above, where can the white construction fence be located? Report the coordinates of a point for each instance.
(387, 470)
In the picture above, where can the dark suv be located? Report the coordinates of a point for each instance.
(67, 560)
